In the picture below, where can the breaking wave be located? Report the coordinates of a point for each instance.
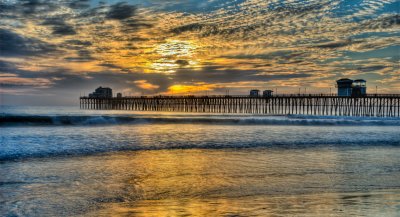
(29, 153)
(87, 120)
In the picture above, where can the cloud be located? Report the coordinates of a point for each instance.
(372, 68)
(59, 26)
(336, 44)
(121, 11)
(79, 4)
(182, 62)
(134, 25)
(13, 81)
(64, 30)
(83, 56)
(382, 22)
(165, 45)
(36, 6)
(143, 84)
(8, 75)
(192, 27)
(77, 42)
(6, 66)
(191, 89)
(13, 44)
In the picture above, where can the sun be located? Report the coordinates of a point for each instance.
(173, 55)
(176, 48)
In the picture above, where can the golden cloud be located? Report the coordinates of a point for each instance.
(143, 84)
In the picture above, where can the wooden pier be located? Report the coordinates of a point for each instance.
(373, 105)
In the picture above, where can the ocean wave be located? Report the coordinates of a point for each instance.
(87, 120)
(90, 151)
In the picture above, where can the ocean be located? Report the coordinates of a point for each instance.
(62, 161)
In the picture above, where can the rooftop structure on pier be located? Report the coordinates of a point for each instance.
(359, 87)
(267, 93)
(348, 87)
(254, 93)
(101, 92)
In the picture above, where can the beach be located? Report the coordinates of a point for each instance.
(108, 163)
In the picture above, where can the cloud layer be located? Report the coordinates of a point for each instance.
(174, 47)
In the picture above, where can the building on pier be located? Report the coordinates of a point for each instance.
(267, 93)
(119, 95)
(254, 93)
(101, 92)
(344, 87)
(348, 87)
(359, 87)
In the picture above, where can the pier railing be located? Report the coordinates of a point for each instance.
(374, 105)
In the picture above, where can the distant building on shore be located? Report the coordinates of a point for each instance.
(101, 92)
(348, 87)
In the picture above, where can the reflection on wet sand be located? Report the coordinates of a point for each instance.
(201, 182)
(325, 204)
(251, 182)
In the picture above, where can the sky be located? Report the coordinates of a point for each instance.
(52, 52)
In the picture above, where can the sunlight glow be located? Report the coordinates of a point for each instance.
(173, 55)
(176, 48)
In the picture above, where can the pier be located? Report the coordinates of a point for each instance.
(369, 105)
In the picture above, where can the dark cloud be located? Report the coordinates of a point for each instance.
(94, 15)
(109, 65)
(134, 24)
(127, 14)
(83, 56)
(78, 42)
(12, 44)
(75, 44)
(189, 28)
(64, 30)
(121, 11)
(79, 4)
(59, 26)
(137, 39)
(182, 62)
(332, 45)
(372, 68)
(297, 9)
(14, 68)
(337, 44)
(6, 66)
(53, 21)
(36, 6)
(16, 85)
(5, 8)
(206, 30)
(384, 22)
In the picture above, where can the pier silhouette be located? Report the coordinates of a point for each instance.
(369, 105)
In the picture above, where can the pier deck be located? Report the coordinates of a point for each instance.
(372, 105)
